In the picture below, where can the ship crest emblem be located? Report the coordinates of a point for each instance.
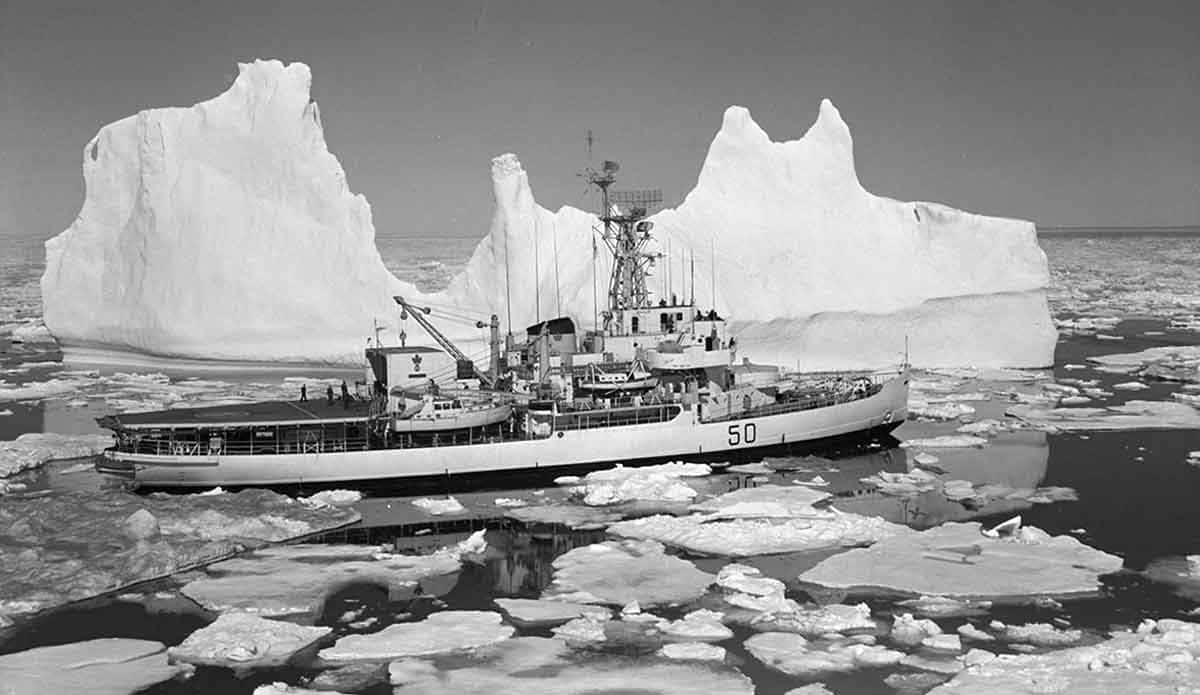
(416, 363)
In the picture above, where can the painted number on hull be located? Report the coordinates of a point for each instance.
(745, 433)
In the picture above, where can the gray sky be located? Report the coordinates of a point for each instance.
(1072, 114)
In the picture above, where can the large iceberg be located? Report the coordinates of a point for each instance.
(227, 230)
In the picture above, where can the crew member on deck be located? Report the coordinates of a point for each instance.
(303, 392)
(329, 395)
(345, 395)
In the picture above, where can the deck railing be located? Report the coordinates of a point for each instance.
(822, 400)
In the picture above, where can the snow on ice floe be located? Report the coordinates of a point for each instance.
(32, 449)
(1160, 657)
(796, 656)
(109, 666)
(1180, 363)
(49, 542)
(1131, 415)
(692, 651)
(764, 501)
(528, 612)
(617, 572)
(948, 441)
(243, 641)
(259, 149)
(440, 633)
(956, 559)
(541, 666)
(744, 537)
(296, 579)
(438, 507)
(659, 483)
(332, 498)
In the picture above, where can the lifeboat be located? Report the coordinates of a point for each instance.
(597, 381)
(442, 413)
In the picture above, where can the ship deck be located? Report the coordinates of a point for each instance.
(245, 414)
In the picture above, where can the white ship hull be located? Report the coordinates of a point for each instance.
(683, 437)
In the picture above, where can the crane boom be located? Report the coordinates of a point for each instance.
(418, 313)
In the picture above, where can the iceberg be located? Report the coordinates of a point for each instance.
(822, 274)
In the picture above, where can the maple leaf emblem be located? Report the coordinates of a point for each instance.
(416, 362)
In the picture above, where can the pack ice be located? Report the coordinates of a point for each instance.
(201, 222)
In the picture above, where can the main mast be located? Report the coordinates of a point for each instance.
(626, 233)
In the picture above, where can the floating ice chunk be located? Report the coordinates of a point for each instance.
(617, 572)
(1075, 400)
(943, 664)
(332, 498)
(939, 411)
(526, 612)
(794, 655)
(5, 411)
(509, 502)
(925, 459)
(818, 621)
(1129, 416)
(1040, 635)
(440, 633)
(910, 631)
(296, 579)
(32, 333)
(810, 689)
(907, 484)
(1130, 386)
(96, 667)
(948, 441)
(748, 580)
(969, 631)
(654, 483)
(692, 651)
(765, 501)
(1159, 659)
(437, 507)
(698, 626)
(244, 641)
(944, 606)
(567, 480)
(583, 631)
(35, 448)
(943, 643)
(958, 560)
(744, 537)
(817, 481)
(37, 390)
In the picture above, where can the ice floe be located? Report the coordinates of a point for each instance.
(332, 498)
(617, 572)
(1128, 416)
(796, 656)
(97, 667)
(242, 641)
(351, 678)
(947, 441)
(692, 651)
(527, 612)
(296, 579)
(698, 626)
(440, 633)
(1160, 657)
(956, 559)
(764, 501)
(437, 507)
(569, 515)
(33, 449)
(1182, 574)
(744, 537)
(817, 621)
(1037, 634)
(50, 542)
(910, 631)
(654, 483)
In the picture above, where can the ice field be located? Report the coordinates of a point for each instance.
(859, 571)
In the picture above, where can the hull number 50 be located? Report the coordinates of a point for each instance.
(745, 433)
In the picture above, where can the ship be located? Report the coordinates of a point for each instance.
(652, 381)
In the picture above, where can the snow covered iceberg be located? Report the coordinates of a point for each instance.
(234, 214)
(225, 230)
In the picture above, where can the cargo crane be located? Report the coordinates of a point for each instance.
(488, 379)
